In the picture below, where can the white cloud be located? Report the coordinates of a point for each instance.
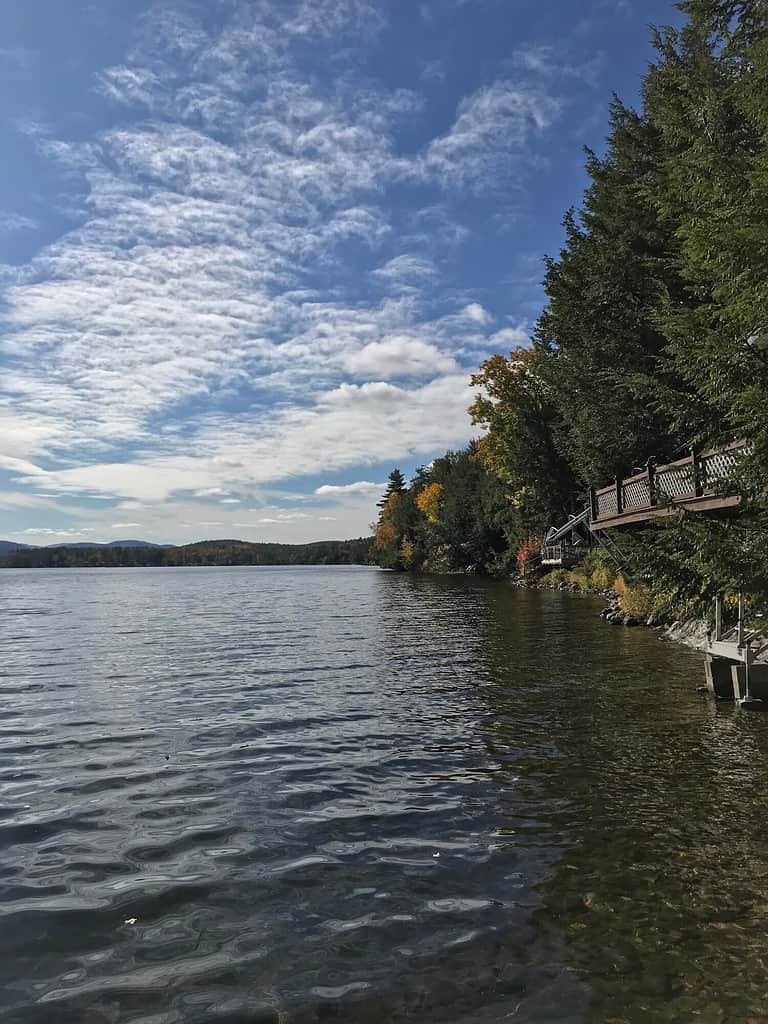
(406, 271)
(475, 312)
(44, 531)
(510, 337)
(490, 136)
(20, 466)
(350, 425)
(399, 356)
(364, 487)
(123, 526)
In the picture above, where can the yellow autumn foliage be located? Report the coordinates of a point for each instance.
(428, 502)
(601, 578)
(407, 553)
(636, 601)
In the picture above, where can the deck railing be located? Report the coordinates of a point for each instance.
(693, 482)
(562, 554)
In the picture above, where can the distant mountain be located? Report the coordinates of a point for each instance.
(11, 545)
(108, 544)
(6, 546)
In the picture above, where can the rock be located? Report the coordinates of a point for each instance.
(692, 633)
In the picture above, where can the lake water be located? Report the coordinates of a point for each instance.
(338, 794)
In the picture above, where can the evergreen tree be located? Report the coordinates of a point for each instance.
(709, 95)
(600, 336)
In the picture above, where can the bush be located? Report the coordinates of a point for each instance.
(555, 578)
(597, 559)
(635, 601)
(602, 579)
(578, 579)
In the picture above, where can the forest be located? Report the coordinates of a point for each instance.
(207, 552)
(653, 340)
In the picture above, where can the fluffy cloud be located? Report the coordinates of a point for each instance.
(510, 337)
(364, 487)
(475, 312)
(399, 356)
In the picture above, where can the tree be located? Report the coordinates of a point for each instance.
(599, 336)
(393, 542)
(428, 501)
(516, 408)
(396, 485)
(708, 92)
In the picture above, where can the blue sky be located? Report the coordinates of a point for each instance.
(251, 250)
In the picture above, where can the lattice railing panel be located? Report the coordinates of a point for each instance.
(720, 466)
(677, 481)
(606, 504)
(636, 494)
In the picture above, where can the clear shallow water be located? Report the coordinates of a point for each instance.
(344, 795)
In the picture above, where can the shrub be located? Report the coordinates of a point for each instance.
(578, 579)
(555, 578)
(638, 602)
(597, 558)
(601, 578)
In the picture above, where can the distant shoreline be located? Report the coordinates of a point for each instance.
(199, 554)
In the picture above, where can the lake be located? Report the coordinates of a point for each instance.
(302, 795)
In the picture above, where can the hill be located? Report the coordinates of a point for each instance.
(10, 545)
(207, 552)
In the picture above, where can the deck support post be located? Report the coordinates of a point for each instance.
(593, 509)
(619, 496)
(652, 483)
(698, 483)
(719, 617)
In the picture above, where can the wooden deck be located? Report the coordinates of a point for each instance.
(562, 555)
(696, 483)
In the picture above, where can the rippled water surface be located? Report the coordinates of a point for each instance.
(303, 795)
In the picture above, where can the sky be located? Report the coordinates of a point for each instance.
(251, 251)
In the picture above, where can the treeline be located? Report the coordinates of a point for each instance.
(216, 552)
(653, 341)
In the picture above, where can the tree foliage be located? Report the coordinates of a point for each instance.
(654, 336)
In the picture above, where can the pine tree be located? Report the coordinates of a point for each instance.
(600, 336)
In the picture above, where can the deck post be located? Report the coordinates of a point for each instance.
(593, 509)
(619, 496)
(652, 483)
(698, 490)
(719, 617)
(741, 621)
